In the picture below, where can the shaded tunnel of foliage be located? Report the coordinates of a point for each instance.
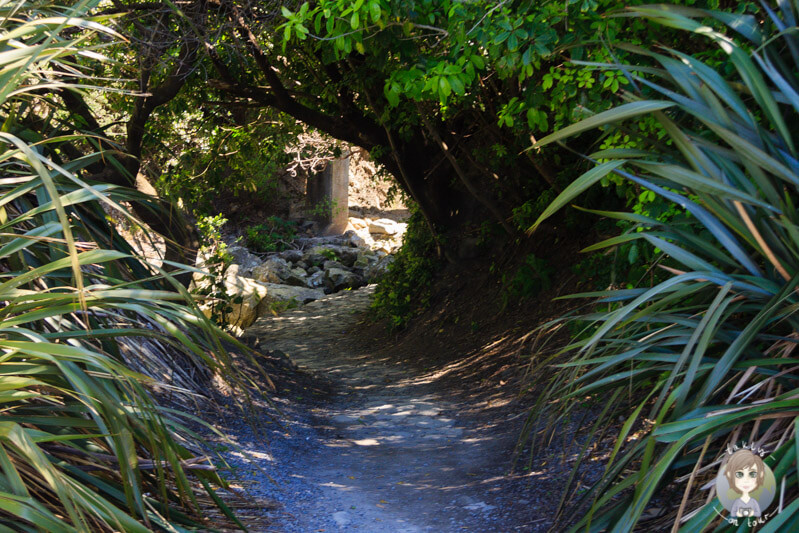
(484, 113)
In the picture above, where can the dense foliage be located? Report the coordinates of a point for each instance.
(405, 289)
(703, 359)
(83, 445)
(448, 97)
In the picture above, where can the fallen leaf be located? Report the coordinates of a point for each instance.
(383, 501)
(351, 477)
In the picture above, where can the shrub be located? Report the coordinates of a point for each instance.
(273, 236)
(83, 445)
(532, 276)
(405, 289)
(701, 360)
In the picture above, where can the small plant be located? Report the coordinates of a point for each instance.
(278, 307)
(532, 277)
(405, 289)
(329, 254)
(273, 236)
(217, 261)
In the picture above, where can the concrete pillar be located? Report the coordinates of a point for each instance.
(327, 195)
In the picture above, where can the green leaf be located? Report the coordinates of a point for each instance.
(618, 114)
(576, 188)
(444, 88)
(374, 9)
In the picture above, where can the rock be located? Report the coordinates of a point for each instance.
(308, 226)
(276, 292)
(362, 262)
(341, 518)
(386, 246)
(333, 264)
(360, 238)
(302, 264)
(365, 258)
(292, 256)
(378, 269)
(317, 279)
(273, 270)
(357, 223)
(310, 242)
(251, 293)
(297, 277)
(246, 261)
(313, 270)
(383, 226)
(337, 279)
(317, 255)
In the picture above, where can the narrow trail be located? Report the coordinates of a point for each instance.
(387, 451)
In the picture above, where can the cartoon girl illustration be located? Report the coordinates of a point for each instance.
(745, 472)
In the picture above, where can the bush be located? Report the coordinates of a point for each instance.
(83, 444)
(273, 236)
(700, 361)
(533, 276)
(405, 289)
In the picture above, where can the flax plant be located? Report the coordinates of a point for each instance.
(83, 446)
(706, 358)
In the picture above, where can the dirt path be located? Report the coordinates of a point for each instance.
(388, 451)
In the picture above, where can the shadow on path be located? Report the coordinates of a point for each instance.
(388, 451)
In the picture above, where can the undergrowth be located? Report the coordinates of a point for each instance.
(405, 289)
(273, 236)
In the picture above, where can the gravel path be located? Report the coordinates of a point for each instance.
(386, 452)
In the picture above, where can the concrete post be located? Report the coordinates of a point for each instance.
(327, 195)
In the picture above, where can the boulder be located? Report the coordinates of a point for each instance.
(297, 277)
(378, 269)
(337, 279)
(286, 293)
(357, 223)
(292, 256)
(385, 245)
(317, 279)
(365, 258)
(317, 255)
(383, 226)
(246, 261)
(310, 242)
(360, 238)
(250, 293)
(333, 264)
(273, 270)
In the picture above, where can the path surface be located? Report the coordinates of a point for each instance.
(386, 452)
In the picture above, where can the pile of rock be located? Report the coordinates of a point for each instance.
(379, 234)
(319, 266)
